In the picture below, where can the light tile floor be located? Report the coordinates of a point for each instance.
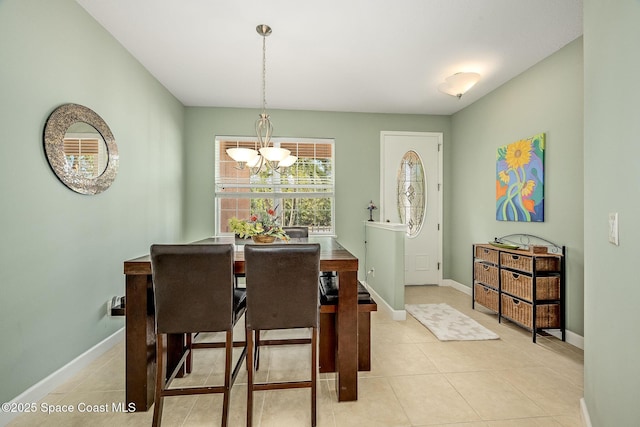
(415, 380)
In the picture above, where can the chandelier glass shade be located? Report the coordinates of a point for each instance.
(243, 156)
(267, 157)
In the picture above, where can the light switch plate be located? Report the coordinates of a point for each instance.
(613, 228)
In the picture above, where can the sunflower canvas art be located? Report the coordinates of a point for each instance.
(520, 180)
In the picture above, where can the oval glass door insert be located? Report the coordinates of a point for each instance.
(411, 192)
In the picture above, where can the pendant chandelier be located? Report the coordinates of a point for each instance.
(267, 157)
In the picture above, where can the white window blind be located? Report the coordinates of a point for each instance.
(86, 155)
(303, 192)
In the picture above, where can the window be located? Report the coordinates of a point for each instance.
(302, 193)
(86, 155)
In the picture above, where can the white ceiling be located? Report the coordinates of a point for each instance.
(384, 56)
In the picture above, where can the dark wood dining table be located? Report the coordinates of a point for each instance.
(139, 321)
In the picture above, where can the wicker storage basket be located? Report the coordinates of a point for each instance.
(547, 315)
(517, 262)
(486, 297)
(485, 273)
(521, 286)
(525, 263)
(516, 310)
(548, 287)
(487, 254)
(516, 284)
(547, 263)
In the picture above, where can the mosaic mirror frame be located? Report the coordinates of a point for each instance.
(60, 120)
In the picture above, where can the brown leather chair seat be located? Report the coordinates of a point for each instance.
(329, 290)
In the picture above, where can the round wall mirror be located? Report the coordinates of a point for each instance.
(81, 149)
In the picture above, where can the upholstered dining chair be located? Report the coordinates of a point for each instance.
(282, 293)
(293, 233)
(194, 292)
(296, 232)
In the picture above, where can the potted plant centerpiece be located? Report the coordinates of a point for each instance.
(263, 227)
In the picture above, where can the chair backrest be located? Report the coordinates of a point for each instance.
(193, 287)
(296, 232)
(282, 285)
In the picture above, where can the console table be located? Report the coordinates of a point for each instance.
(525, 286)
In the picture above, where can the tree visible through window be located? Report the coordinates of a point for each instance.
(302, 194)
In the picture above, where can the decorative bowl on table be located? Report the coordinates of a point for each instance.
(263, 238)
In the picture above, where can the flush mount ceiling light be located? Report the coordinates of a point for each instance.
(458, 84)
(267, 156)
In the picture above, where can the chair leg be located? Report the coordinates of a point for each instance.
(249, 338)
(162, 382)
(314, 373)
(252, 338)
(257, 345)
(161, 373)
(227, 377)
(189, 364)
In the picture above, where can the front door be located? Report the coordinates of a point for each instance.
(411, 171)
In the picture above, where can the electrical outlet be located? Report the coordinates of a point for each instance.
(613, 228)
(115, 307)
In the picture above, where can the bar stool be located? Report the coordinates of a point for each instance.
(296, 232)
(293, 233)
(194, 292)
(282, 293)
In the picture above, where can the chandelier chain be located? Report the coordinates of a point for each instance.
(273, 158)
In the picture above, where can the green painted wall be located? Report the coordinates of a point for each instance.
(546, 98)
(612, 150)
(61, 253)
(357, 137)
(385, 255)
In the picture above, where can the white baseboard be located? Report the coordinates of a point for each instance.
(458, 286)
(575, 339)
(584, 414)
(45, 386)
(382, 304)
(570, 337)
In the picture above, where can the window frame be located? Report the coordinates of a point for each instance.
(88, 145)
(278, 194)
